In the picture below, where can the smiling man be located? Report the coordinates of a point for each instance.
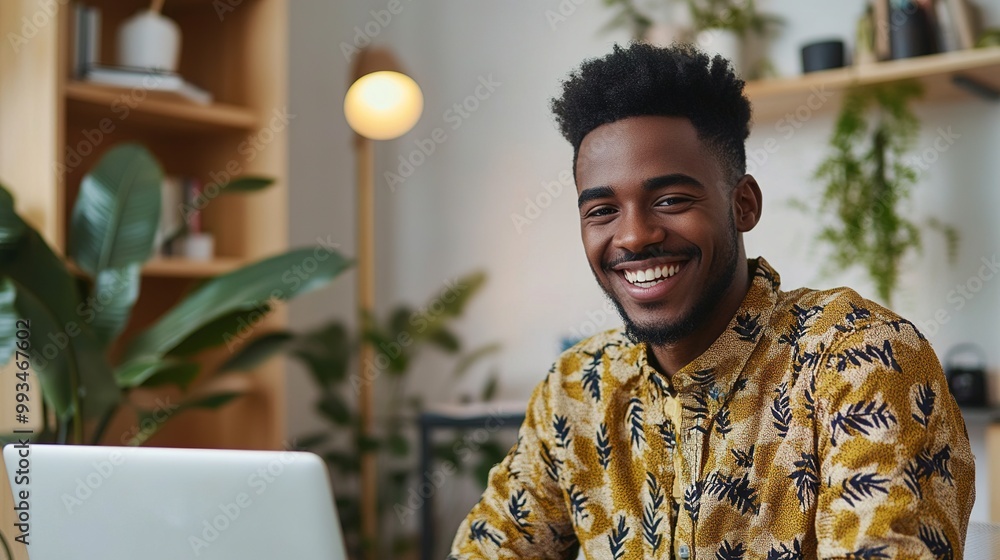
(728, 419)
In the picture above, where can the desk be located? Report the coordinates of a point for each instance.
(504, 415)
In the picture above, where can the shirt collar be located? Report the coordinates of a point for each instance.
(718, 369)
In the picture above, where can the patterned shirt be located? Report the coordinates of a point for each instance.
(819, 424)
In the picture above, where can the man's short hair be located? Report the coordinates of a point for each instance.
(677, 81)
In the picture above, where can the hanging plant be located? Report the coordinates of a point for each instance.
(867, 181)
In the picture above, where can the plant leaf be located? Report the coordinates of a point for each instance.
(117, 210)
(12, 227)
(257, 351)
(490, 390)
(281, 277)
(398, 445)
(247, 183)
(468, 360)
(445, 339)
(210, 401)
(327, 353)
(333, 407)
(180, 375)
(120, 288)
(311, 441)
(8, 319)
(42, 276)
(55, 374)
(229, 329)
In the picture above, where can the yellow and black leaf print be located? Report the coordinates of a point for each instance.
(818, 425)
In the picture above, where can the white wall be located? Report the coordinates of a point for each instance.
(453, 214)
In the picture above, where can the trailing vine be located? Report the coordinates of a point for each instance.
(867, 180)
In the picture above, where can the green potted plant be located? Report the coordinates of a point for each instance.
(77, 313)
(400, 339)
(724, 27)
(867, 181)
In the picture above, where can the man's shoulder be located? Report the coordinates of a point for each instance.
(610, 351)
(838, 315)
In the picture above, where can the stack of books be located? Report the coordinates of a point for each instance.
(86, 62)
(180, 220)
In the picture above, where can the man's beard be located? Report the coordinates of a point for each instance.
(666, 332)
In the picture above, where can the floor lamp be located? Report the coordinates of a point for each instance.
(381, 104)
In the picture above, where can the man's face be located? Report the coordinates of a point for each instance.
(657, 220)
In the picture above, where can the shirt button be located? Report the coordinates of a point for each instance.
(684, 551)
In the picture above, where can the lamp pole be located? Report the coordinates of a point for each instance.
(381, 104)
(366, 307)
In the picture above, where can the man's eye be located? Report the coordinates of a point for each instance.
(673, 201)
(600, 211)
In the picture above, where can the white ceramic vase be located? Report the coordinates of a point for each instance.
(149, 40)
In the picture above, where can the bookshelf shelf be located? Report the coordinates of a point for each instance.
(176, 267)
(159, 110)
(773, 99)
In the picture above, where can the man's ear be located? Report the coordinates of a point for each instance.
(747, 203)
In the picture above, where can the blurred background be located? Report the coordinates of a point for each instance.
(478, 278)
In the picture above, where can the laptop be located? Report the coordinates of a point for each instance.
(129, 503)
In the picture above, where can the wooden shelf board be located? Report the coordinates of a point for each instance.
(186, 268)
(162, 110)
(177, 267)
(774, 99)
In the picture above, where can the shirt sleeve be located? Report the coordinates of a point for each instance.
(522, 513)
(896, 469)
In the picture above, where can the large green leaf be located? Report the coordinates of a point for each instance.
(11, 225)
(282, 277)
(157, 372)
(257, 351)
(39, 273)
(117, 211)
(180, 374)
(116, 291)
(229, 329)
(8, 319)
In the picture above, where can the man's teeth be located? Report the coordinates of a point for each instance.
(651, 276)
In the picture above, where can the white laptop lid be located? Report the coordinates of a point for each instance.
(128, 503)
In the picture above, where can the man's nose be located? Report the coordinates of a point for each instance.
(638, 230)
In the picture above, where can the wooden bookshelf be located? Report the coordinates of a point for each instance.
(822, 91)
(47, 145)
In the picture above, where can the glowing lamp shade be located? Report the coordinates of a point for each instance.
(383, 105)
